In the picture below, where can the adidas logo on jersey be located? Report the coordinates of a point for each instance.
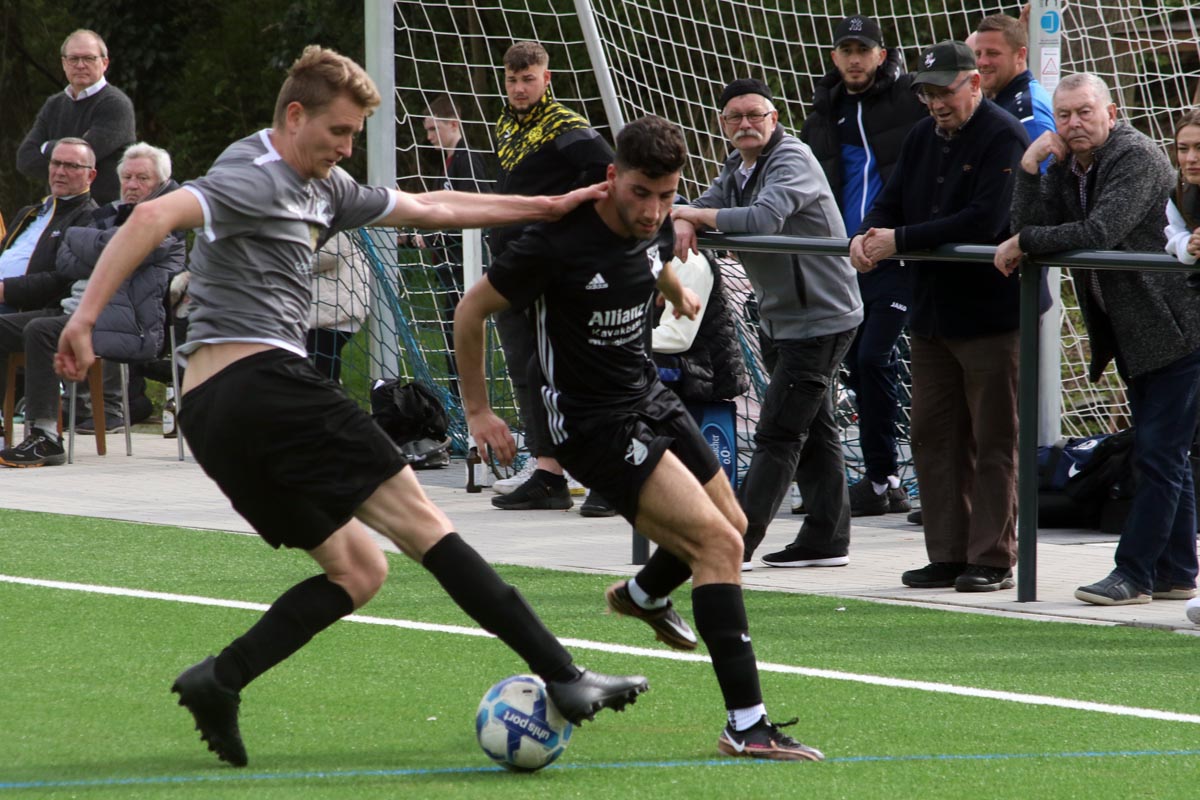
(597, 282)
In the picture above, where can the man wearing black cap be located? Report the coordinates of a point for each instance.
(809, 308)
(953, 182)
(862, 110)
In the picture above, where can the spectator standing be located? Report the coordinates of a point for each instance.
(953, 183)
(90, 108)
(1183, 208)
(465, 171)
(341, 300)
(809, 308)
(1001, 47)
(862, 110)
(543, 148)
(1107, 189)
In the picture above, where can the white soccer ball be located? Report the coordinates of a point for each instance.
(1193, 610)
(518, 727)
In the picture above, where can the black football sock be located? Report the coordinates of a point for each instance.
(297, 616)
(498, 607)
(663, 573)
(721, 622)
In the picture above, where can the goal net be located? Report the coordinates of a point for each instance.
(672, 58)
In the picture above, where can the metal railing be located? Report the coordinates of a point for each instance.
(1027, 398)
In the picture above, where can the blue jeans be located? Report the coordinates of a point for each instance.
(796, 427)
(1159, 537)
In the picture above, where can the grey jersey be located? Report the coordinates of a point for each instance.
(263, 224)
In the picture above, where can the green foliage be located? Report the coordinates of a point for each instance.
(201, 73)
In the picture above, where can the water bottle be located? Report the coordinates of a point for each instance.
(474, 471)
(168, 414)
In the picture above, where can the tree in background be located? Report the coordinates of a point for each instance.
(201, 73)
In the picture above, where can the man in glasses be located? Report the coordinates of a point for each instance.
(90, 108)
(953, 182)
(809, 308)
(28, 281)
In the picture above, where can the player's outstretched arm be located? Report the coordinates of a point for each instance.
(446, 209)
(491, 433)
(146, 227)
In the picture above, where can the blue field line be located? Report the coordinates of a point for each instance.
(407, 773)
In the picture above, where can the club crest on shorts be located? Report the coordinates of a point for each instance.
(636, 452)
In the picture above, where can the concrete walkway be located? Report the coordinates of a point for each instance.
(153, 486)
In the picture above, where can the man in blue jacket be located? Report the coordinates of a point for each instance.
(862, 110)
(809, 308)
(954, 183)
(1001, 45)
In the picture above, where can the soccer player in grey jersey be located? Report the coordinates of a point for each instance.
(301, 461)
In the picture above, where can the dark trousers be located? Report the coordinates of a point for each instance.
(325, 349)
(518, 337)
(874, 376)
(35, 333)
(964, 439)
(1158, 541)
(798, 435)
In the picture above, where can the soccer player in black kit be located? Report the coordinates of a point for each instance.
(590, 280)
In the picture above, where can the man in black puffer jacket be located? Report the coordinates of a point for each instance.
(131, 326)
(862, 110)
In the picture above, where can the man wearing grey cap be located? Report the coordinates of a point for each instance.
(953, 182)
(809, 308)
(862, 110)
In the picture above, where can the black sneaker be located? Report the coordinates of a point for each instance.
(38, 450)
(594, 505)
(87, 427)
(938, 575)
(535, 494)
(980, 578)
(795, 555)
(865, 501)
(669, 627)
(915, 517)
(765, 740)
(898, 501)
(1163, 590)
(1115, 590)
(581, 698)
(215, 709)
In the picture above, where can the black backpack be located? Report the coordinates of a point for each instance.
(413, 416)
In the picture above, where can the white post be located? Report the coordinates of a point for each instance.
(472, 257)
(1045, 61)
(608, 93)
(381, 165)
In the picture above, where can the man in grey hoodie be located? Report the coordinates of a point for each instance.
(809, 309)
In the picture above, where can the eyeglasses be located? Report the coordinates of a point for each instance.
(69, 166)
(927, 97)
(754, 117)
(79, 61)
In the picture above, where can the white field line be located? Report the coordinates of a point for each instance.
(585, 644)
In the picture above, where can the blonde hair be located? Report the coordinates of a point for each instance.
(318, 77)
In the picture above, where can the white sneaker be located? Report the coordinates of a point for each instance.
(577, 488)
(797, 500)
(747, 566)
(506, 485)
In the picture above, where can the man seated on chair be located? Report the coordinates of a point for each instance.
(131, 327)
